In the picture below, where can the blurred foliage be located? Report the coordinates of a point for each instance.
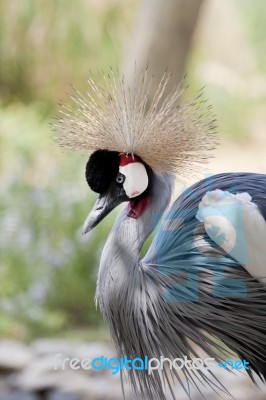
(237, 91)
(47, 268)
(46, 45)
(254, 22)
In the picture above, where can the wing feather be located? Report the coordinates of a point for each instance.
(236, 224)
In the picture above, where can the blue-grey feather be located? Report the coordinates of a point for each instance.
(186, 289)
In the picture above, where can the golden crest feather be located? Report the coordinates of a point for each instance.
(169, 134)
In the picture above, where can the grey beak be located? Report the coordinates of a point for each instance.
(103, 206)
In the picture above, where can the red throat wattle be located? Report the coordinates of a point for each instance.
(136, 207)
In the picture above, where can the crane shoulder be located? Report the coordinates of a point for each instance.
(234, 222)
(220, 220)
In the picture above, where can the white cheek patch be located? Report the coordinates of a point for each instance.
(136, 181)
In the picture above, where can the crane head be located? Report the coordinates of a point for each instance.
(117, 178)
(130, 139)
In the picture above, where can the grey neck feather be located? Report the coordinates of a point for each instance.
(121, 253)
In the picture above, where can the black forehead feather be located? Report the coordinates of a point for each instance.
(101, 169)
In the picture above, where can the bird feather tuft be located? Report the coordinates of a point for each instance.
(169, 134)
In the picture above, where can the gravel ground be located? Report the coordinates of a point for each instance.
(35, 372)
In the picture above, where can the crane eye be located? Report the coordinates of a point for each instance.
(120, 178)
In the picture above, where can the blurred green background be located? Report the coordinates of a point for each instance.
(47, 269)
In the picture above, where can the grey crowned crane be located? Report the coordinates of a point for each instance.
(202, 281)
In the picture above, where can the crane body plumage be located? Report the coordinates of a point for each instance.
(201, 283)
(185, 284)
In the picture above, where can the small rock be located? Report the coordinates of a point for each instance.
(43, 347)
(93, 350)
(62, 396)
(14, 355)
(42, 374)
(80, 350)
(19, 395)
(96, 388)
(89, 351)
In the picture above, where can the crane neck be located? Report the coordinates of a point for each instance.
(129, 234)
